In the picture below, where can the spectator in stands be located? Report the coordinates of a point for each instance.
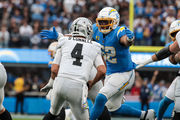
(77, 9)
(4, 37)
(157, 30)
(20, 87)
(159, 91)
(17, 16)
(136, 89)
(35, 40)
(139, 9)
(139, 35)
(36, 26)
(149, 9)
(37, 10)
(26, 14)
(145, 95)
(15, 40)
(35, 84)
(56, 25)
(148, 28)
(26, 32)
(153, 79)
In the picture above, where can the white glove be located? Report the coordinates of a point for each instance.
(48, 86)
(144, 63)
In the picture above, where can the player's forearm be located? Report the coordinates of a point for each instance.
(174, 48)
(101, 71)
(162, 54)
(53, 75)
(54, 71)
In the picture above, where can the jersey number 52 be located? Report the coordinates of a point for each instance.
(76, 53)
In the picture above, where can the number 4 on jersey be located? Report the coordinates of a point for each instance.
(76, 53)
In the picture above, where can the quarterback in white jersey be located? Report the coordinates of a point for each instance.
(4, 114)
(78, 55)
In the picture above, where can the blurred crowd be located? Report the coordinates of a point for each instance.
(22, 20)
(151, 88)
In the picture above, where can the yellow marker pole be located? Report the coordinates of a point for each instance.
(131, 14)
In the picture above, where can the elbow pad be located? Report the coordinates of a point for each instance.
(163, 53)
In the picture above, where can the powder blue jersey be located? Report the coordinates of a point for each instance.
(117, 56)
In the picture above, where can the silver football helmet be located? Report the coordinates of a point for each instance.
(82, 27)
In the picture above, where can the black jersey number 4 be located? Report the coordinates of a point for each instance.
(76, 53)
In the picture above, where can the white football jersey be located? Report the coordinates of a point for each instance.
(78, 56)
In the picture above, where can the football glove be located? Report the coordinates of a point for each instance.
(130, 35)
(48, 86)
(47, 34)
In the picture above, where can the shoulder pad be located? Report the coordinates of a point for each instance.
(61, 41)
(60, 35)
(96, 44)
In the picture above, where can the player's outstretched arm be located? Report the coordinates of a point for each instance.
(47, 34)
(160, 55)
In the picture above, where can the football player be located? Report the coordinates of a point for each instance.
(78, 55)
(173, 50)
(4, 114)
(91, 93)
(120, 74)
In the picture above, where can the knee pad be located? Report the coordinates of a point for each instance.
(177, 96)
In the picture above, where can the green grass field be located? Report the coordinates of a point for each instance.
(39, 117)
(25, 119)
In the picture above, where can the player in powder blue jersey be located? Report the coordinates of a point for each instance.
(115, 41)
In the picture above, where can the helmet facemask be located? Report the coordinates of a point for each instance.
(173, 34)
(107, 20)
(105, 25)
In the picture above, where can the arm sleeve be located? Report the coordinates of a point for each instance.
(178, 38)
(163, 53)
(98, 61)
(57, 58)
